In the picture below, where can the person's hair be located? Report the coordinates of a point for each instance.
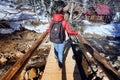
(57, 7)
(57, 10)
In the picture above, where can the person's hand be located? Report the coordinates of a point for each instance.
(79, 32)
(47, 31)
(75, 32)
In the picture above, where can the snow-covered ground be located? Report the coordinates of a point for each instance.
(112, 29)
(18, 18)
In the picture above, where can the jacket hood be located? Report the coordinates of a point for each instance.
(58, 17)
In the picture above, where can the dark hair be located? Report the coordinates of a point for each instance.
(57, 10)
(59, 4)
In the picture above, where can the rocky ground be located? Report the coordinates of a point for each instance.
(106, 46)
(15, 45)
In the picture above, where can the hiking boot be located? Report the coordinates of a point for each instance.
(60, 65)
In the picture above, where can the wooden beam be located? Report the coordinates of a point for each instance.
(96, 55)
(23, 60)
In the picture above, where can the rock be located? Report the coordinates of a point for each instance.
(21, 47)
(1, 54)
(19, 54)
(111, 44)
(36, 63)
(105, 78)
(32, 74)
(3, 61)
(117, 63)
(108, 57)
(118, 58)
(102, 54)
(26, 75)
(107, 47)
(28, 37)
(119, 70)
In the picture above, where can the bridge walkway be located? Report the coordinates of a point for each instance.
(69, 71)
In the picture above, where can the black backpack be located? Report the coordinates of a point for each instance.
(57, 33)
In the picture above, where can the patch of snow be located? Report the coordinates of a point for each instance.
(102, 30)
(86, 22)
(2, 15)
(6, 8)
(20, 17)
(6, 31)
(40, 28)
(15, 25)
(26, 16)
(117, 17)
(112, 29)
(26, 6)
(116, 31)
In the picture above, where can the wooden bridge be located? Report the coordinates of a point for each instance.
(68, 72)
(70, 69)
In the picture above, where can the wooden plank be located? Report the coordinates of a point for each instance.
(68, 72)
(23, 60)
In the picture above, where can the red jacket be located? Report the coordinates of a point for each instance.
(65, 23)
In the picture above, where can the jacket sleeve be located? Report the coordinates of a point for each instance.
(66, 26)
(48, 30)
